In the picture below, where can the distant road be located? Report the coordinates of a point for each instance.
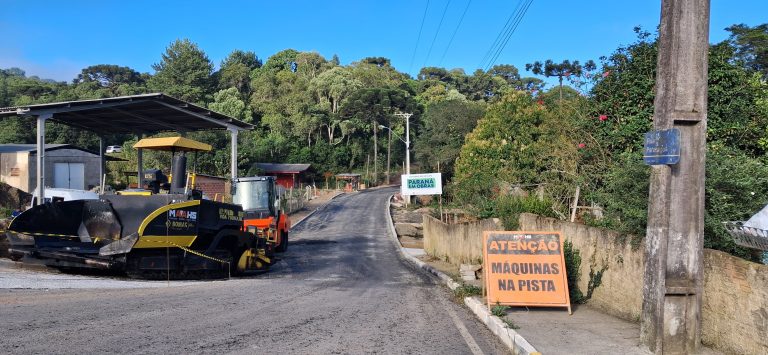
(340, 288)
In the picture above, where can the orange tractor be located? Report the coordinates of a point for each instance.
(259, 197)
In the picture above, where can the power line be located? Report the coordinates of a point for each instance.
(423, 17)
(436, 32)
(454, 33)
(509, 34)
(489, 54)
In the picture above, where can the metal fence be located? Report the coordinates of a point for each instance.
(292, 200)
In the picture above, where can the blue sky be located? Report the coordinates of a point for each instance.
(56, 39)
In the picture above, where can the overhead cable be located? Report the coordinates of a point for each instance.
(423, 17)
(509, 35)
(436, 32)
(491, 50)
(454, 33)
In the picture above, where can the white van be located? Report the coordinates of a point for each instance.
(114, 149)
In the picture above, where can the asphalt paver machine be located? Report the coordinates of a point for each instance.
(156, 233)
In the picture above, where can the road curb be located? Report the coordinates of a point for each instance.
(512, 339)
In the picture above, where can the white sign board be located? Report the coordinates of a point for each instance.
(421, 184)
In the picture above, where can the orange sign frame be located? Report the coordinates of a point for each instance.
(523, 268)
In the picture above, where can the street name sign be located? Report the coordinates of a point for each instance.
(421, 184)
(662, 147)
(525, 269)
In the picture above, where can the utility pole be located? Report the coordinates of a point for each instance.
(375, 156)
(389, 149)
(407, 117)
(671, 315)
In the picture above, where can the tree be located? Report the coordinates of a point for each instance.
(622, 105)
(374, 106)
(434, 73)
(446, 123)
(282, 60)
(331, 88)
(516, 143)
(751, 45)
(236, 70)
(377, 61)
(560, 70)
(310, 64)
(228, 102)
(184, 72)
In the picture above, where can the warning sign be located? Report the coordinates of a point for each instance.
(525, 269)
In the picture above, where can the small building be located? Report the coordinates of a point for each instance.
(66, 166)
(286, 175)
(351, 181)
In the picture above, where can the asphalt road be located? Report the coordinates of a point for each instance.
(341, 288)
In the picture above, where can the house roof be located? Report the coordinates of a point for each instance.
(275, 168)
(32, 148)
(15, 148)
(135, 114)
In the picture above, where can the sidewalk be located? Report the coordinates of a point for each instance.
(538, 330)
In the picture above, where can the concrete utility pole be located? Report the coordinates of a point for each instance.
(671, 315)
(407, 117)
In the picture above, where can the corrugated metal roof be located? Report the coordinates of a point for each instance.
(173, 143)
(32, 148)
(136, 114)
(282, 168)
(14, 148)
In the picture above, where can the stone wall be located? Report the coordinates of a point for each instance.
(735, 300)
(456, 243)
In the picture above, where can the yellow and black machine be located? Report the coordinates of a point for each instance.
(145, 233)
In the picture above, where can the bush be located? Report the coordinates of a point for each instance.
(572, 264)
(509, 208)
(736, 187)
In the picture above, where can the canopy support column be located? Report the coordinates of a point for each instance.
(140, 164)
(41, 156)
(103, 161)
(233, 154)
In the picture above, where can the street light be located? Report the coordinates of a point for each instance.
(407, 140)
(407, 149)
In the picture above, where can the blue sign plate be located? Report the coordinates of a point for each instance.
(662, 147)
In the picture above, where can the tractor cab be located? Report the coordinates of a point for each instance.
(259, 197)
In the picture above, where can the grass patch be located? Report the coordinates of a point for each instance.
(466, 291)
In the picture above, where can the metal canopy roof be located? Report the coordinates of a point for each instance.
(137, 114)
(274, 168)
(173, 144)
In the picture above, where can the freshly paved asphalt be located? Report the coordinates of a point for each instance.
(340, 288)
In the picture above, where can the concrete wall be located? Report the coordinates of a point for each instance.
(735, 300)
(14, 170)
(456, 243)
(621, 290)
(735, 304)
